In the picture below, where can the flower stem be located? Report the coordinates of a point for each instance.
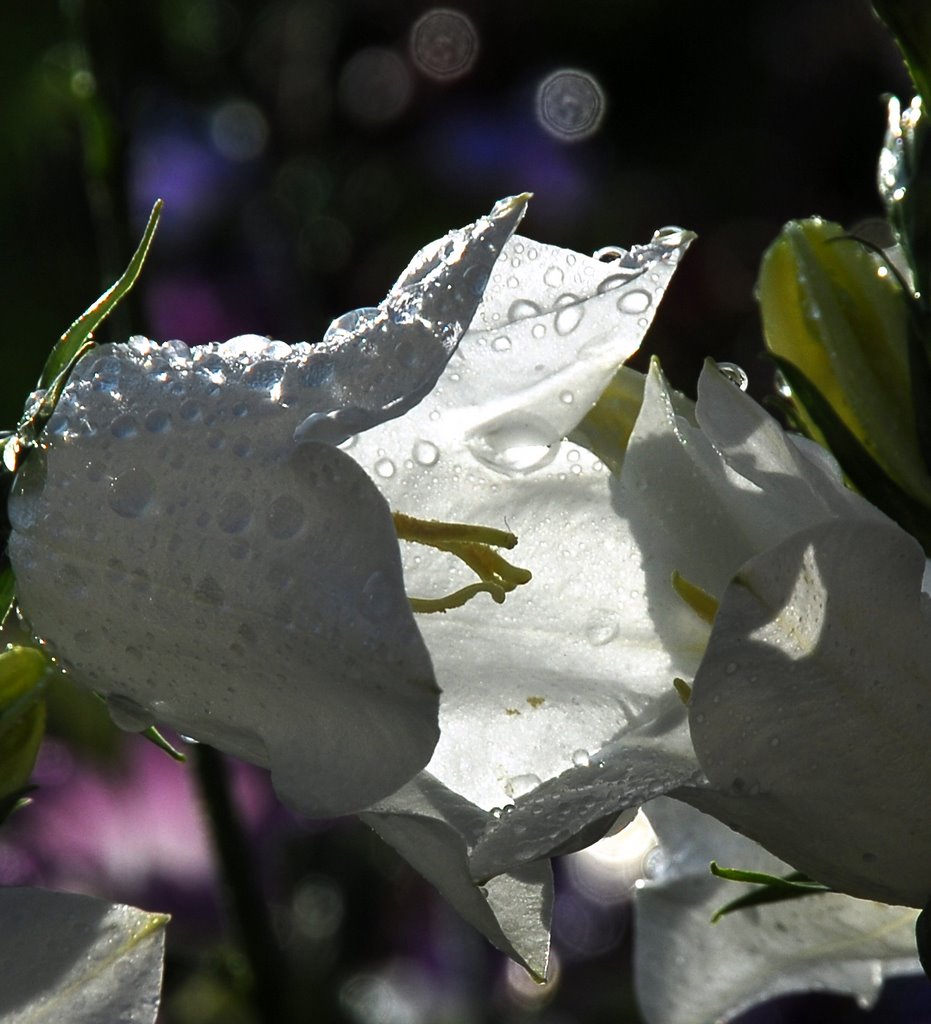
(245, 904)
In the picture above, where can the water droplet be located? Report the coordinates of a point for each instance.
(636, 301)
(567, 398)
(235, 513)
(553, 277)
(538, 330)
(774, 741)
(126, 713)
(523, 308)
(209, 591)
(284, 517)
(515, 444)
(28, 485)
(343, 327)
(735, 374)
(157, 421)
(581, 758)
(426, 453)
(105, 374)
(568, 318)
(520, 785)
(131, 493)
(601, 628)
(501, 344)
(385, 468)
(730, 668)
(377, 600)
(124, 426)
(264, 375)
(512, 281)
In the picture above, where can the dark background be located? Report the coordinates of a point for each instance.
(305, 152)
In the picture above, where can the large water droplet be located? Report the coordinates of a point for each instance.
(124, 426)
(520, 785)
(127, 714)
(568, 318)
(341, 329)
(523, 308)
(736, 375)
(601, 628)
(501, 344)
(131, 492)
(581, 758)
(264, 375)
(636, 301)
(426, 453)
(284, 517)
(377, 600)
(385, 468)
(157, 421)
(515, 443)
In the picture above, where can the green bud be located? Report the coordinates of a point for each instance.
(22, 715)
(838, 312)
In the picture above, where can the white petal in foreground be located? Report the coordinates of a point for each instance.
(433, 829)
(809, 712)
(73, 958)
(689, 971)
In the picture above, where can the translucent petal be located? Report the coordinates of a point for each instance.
(433, 829)
(67, 957)
(640, 765)
(531, 682)
(688, 971)
(809, 711)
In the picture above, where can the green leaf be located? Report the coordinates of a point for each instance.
(770, 888)
(910, 23)
(155, 737)
(861, 468)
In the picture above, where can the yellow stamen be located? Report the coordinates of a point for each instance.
(701, 602)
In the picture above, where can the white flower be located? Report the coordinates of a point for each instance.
(184, 556)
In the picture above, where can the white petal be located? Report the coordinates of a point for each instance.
(433, 829)
(809, 710)
(689, 971)
(576, 808)
(77, 959)
(255, 604)
(529, 684)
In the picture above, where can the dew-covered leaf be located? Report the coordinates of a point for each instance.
(72, 958)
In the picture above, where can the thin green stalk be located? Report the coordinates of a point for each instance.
(245, 904)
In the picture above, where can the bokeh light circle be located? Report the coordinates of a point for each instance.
(444, 44)
(570, 104)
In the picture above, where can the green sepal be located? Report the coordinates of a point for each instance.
(910, 22)
(63, 355)
(15, 801)
(77, 340)
(863, 471)
(770, 888)
(155, 737)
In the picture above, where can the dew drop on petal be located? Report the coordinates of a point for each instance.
(501, 344)
(131, 493)
(567, 398)
(736, 375)
(601, 628)
(376, 600)
(636, 301)
(523, 308)
(385, 468)
(284, 517)
(426, 453)
(515, 444)
(520, 785)
(568, 318)
(553, 277)
(124, 426)
(127, 714)
(581, 758)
